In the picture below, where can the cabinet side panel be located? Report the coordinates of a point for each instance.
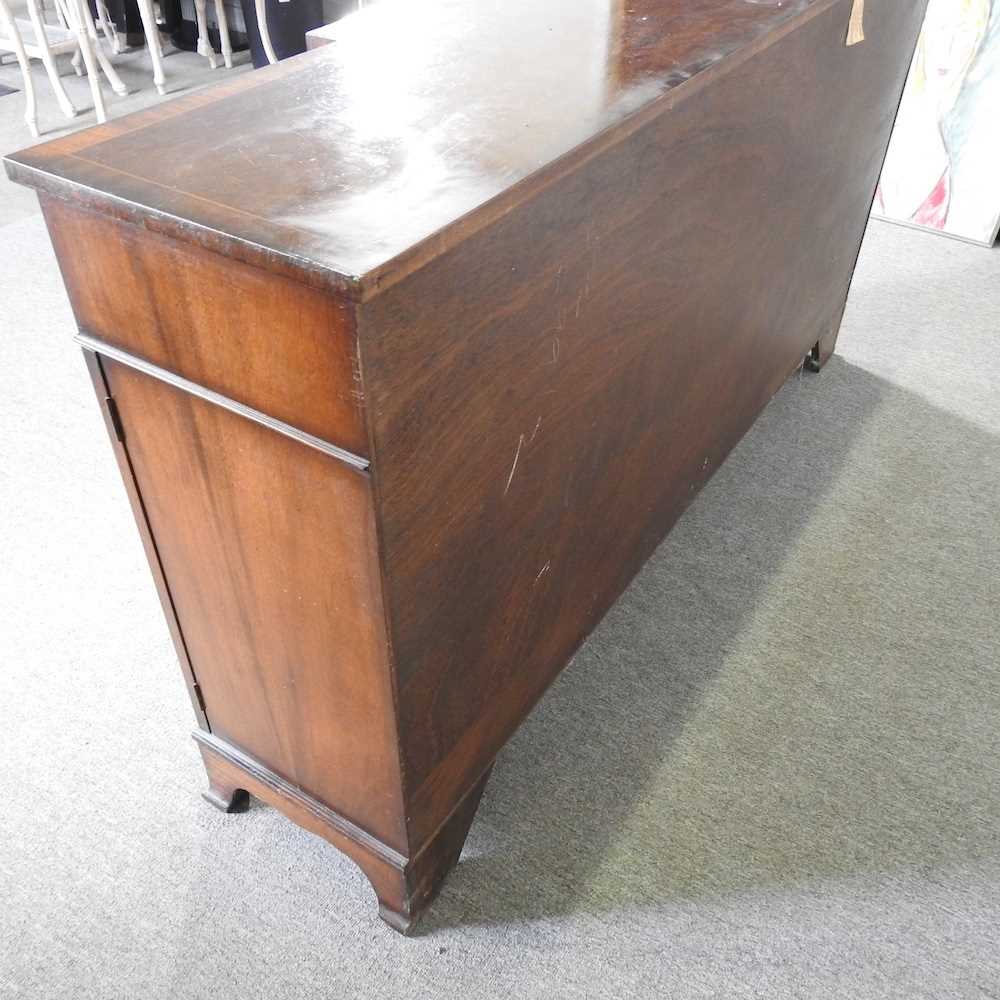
(268, 547)
(257, 337)
(547, 398)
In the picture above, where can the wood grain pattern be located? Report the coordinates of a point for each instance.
(270, 552)
(412, 129)
(543, 280)
(403, 885)
(112, 425)
(263, 340)
(627, 328)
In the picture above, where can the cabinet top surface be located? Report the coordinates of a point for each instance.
(419, 119)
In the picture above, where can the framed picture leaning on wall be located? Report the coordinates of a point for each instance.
(943, 167)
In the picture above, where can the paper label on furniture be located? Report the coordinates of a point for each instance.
(856, 27)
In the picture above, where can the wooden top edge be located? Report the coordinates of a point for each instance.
(357, 226)
(275, 259)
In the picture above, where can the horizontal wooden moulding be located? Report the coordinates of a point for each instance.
(179, 382)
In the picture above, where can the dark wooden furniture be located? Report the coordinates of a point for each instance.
(413, 348)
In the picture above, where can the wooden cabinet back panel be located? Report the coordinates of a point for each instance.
(583, 366)
(268, 547)
(259, 338)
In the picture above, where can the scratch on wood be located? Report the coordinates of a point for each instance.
(535, 431)
(543, 571)
(246, 157)
(555, 349)
(517, 455)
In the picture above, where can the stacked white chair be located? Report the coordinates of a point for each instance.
(77, 34)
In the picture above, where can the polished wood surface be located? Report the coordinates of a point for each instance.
(279, 601)
(424, 353)
(285, 350)
(353, 156)
(112, 423)
(403, 885)
(606, 333)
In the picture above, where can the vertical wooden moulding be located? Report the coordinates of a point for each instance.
(116, 435)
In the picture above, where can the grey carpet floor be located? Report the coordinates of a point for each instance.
(772, 772)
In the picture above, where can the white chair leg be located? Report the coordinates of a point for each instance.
(109, 71)
(60, 14)
(48, 60)
(68, 20)
(152, 33)
(265, 35)
(227, 45)
(30, 105)
(204, 45)
(108, 29)
(93, 73)
(81, 12)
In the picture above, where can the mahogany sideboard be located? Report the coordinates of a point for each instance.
(414, 347)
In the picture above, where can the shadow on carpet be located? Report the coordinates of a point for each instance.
(743, 721)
